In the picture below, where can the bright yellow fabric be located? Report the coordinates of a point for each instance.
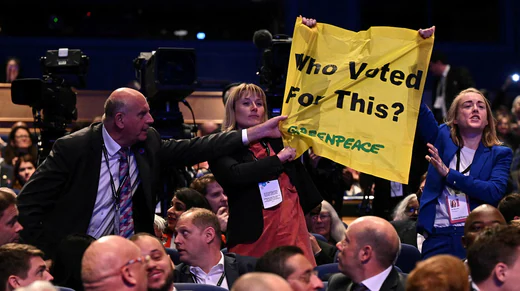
(384, 69)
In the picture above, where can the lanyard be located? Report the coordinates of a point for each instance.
(115, 194)
(196, 279)
(458, 161)
(266, 147)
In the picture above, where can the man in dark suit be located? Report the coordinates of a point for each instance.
(198, 243)
(449, 81)
(366, 257)
(78, 190)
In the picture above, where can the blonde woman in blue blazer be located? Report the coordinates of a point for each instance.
(468, 167)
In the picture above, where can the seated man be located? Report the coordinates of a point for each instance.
(198, 243)
(258, 281)
(160, 266)
(509, 206)
(20, 265)
(290, 263)
(9, 226)
(114, 263)
(479, 218)
(208, 186)
(366, 257)
(493, 258)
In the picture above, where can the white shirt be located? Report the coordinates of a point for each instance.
(212, 278)
(441, 215)
(374, 283)
(102, 221)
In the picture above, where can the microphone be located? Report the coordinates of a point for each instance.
(262, 38)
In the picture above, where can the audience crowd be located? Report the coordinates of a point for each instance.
(257, 217)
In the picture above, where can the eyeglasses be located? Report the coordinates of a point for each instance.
(322, 216)
(21, 136)
(411, 210)
(306, 277)
(141, 259)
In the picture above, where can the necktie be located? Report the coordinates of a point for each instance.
(126, 222)
(360, 287)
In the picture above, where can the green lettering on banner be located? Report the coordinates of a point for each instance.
(348, 143)
(329, 139)
(337, 140)
(376, 147)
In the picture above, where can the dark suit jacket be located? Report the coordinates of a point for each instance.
(60, 196)
(407, 231)
(458, 79)
(395, 281)
(234, 266)
(239, 175)
(327, 254)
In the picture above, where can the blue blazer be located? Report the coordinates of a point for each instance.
(486, 183)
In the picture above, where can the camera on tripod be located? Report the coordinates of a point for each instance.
(273, 72)
(167, 76)
(51, 98)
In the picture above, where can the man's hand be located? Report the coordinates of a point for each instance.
(428, 32)
(223, 216)
(266, 129)
(310, 22)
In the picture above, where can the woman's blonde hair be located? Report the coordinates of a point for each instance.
(238, 92)
(489, 136)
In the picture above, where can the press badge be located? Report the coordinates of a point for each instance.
(458, 207)
(271, 193)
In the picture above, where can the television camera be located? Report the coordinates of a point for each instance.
(167, 76)
(51, 98)
(273, 72)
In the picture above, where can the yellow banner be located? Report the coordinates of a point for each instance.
(354, 97)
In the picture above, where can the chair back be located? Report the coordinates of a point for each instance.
(320, 237)
(174, 255)
(327, 270)
(325, 285)
(197, 287)
(408, 258)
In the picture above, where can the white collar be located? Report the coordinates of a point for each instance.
(218, 268)
(374, 283)
(110, 144)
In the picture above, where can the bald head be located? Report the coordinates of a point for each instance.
(118, 100)
(103, 261)
(259, 281)
(378, 233)
(127, 116)
(479, 218)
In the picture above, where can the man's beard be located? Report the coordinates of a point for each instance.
(167, 284)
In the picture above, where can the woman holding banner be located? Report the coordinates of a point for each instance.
(268, 192)
(468, 167)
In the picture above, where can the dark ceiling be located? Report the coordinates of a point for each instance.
(219, 20)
